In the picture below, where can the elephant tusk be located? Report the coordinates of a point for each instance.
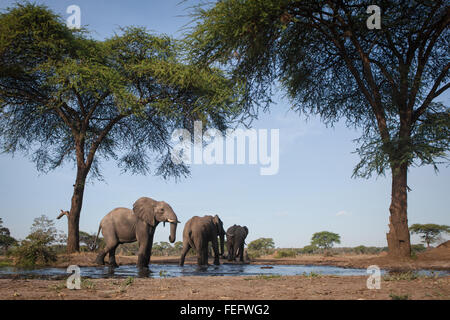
(173, 221)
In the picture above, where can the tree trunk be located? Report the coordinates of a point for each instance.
(398, 237)
(73, 238)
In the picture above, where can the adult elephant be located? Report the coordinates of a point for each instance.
(123, 225)
(197, 232)
(235, 242)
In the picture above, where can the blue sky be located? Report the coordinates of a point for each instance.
(313, 190)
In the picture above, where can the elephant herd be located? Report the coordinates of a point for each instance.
(123, 225)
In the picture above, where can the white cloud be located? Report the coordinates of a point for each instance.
(342, 213)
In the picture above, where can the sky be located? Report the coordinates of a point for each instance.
(313, 190)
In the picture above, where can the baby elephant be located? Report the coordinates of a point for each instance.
(235, 242)
(198, 231)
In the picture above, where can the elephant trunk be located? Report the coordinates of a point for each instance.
(172, 218)
(173, 231)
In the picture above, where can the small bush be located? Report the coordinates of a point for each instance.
(309, 249)
(285, 253)
(416, 248)
(33, 252)
(399, 297)
(252, 254)
(398, 276)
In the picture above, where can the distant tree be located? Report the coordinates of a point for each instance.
(37, 248)
(429, 233)
(43, 229)
(88, 240)
(65, 97)
(385, 81)
(325, 239)
(262, 245)
(309, 249)
(6, 240)
(360, 249)
(177, 247)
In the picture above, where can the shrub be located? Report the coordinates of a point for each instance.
(415, 248)
(309, 249)
(33, 252)
(37, 248)
(284, 253)
(261, 246)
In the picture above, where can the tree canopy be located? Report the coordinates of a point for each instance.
(429, 233)
(65, 97)
(383, 81)
(5, 237)
(325, 239)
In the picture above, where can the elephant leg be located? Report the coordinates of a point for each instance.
(231, 252)
(141, 255)
(148, 252)
(201, 251)
(112, 257)
(143, 236)
(241, 253)
(110, 248)
(100, 260)
(186, 248)
(215, 247)
(205, 253)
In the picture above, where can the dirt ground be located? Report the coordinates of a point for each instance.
(229, 288)
(304, 287)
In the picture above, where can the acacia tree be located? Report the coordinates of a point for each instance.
(325, 239)
(384, 81)
(67, 98)
(430, 232)
(5, 238)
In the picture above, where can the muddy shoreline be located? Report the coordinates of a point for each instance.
(426, 261)
(268, 287)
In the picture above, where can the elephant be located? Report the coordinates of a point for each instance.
(197, 232)
(235, 242)
(123, 225)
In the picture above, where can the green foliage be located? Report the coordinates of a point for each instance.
(37, 248)
(60, 89)
(430, 233)
(285, 253)
(87, 284)
(87, 241)
(325, 239)
(332, 65)
(399, 276)
(311, 275)
(416, 248)
(261, 244)
(6, 240)
(260, 247)
(394, 296)
(309, 249)
(65, 97)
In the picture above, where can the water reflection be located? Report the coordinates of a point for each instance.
(173, 270)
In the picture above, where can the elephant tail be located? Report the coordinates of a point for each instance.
(96, 237)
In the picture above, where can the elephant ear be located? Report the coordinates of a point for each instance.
(144, 209)
(217, 222)
(246, 230)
